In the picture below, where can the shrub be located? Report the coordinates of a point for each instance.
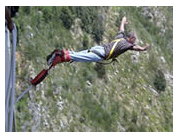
(160, 82)
(25, 9)
(47, 13)
(66, 17)
(87, 16)
(90, 21)
(101, 72)
(98, 31)
(85, 41)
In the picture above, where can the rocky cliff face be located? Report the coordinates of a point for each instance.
(135, 94)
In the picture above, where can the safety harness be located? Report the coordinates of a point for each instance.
(110, 53)
(113, 48)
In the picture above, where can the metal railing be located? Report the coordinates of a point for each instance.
(10, 90)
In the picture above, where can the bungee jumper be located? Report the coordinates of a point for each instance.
(118, 46)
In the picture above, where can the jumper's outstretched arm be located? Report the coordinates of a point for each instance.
(139, 48)
(123, 22)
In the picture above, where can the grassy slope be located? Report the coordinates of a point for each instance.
(120, 99)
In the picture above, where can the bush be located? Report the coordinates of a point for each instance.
(98, 31)
(85, 42)
(90, 21)
(25, 9)
(47, 13)
(87, 16)
(160, 82)
(101, 72)
(66, 17)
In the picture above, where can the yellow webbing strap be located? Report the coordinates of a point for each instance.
(114, 46)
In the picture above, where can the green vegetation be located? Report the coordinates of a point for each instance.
(134, 95)
(160, 82)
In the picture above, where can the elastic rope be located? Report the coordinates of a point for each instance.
(22, 94)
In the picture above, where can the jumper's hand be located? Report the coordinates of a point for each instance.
(124, 20)
(147, 46)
